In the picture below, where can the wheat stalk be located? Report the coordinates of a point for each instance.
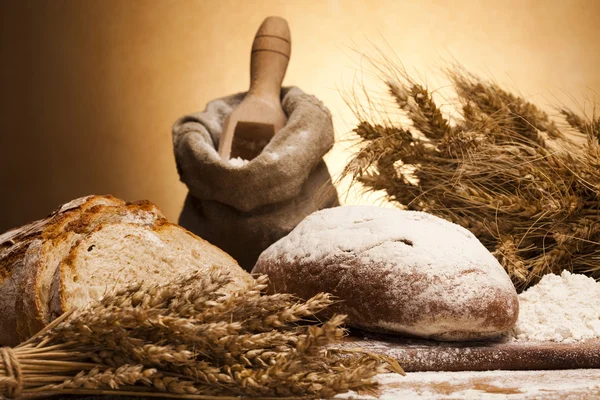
(191, 339)
(503, 169)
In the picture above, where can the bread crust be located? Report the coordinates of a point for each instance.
(9, 294)
(367, 299)
(27, 289)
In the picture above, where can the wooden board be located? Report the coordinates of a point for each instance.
(428, 355)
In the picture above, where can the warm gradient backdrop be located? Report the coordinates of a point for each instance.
(90, 89)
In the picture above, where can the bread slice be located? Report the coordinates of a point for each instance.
(114, 255)
(15, 256)
(47, 254)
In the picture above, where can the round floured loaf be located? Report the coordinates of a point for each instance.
(395, 271)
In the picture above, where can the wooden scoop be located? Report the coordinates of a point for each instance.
(259, 116)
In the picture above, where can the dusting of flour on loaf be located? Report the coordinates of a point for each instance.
(560, 308)
(145, 218)
(367, 231)
(153, 237)
(433, 278)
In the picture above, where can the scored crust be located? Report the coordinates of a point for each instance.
(115, 255)
(57, 244)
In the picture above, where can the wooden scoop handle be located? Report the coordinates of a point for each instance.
(271, 51)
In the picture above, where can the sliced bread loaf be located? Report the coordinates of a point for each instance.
(86, 247)
(45, 255)
(114, 255)
(14, 257)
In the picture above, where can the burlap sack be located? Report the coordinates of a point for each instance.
(244, 207)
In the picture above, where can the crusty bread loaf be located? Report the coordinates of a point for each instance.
(395, 271)
(42, 263)
(14, 248)
(46, 254)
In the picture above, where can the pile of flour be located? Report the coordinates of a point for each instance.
(560, 308)
(238, 162)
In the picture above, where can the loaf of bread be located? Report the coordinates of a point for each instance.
(14, 260)
(69, 226)
(395, 271)
(87, 247)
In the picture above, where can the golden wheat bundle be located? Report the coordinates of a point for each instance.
(502, 169)
(191, 339)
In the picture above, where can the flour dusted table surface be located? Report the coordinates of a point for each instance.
(579, 384)
(483, 370)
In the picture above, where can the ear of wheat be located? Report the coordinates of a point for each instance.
(190, 339)
(504, 170)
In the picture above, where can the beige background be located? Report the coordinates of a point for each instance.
(90, 89)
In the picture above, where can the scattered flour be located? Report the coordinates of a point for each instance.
(274, 156)
(501, 385)
(560, 308)
(238, 162)
(143, 218)
(153, 237)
